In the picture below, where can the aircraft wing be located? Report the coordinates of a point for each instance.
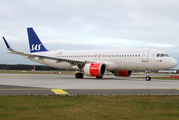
(58, 59)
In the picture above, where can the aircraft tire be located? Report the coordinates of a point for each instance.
(148, 78)
(79, 75)
(99, 77)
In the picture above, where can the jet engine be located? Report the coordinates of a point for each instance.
(122, 73)
(95, 69)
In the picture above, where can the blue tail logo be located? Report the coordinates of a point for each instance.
(34, 42)
(35, 47)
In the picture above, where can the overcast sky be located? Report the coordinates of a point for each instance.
(90, 24)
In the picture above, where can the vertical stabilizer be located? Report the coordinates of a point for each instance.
(34, 42)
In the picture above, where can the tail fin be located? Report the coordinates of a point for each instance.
(34, 42)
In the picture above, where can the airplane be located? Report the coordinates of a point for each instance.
(96, 63)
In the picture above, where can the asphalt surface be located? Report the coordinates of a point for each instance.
(44, 84)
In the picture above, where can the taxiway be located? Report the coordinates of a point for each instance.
(45, 84)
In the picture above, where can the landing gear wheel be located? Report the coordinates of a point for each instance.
(148, 78)
(79, 75)
(99, 77)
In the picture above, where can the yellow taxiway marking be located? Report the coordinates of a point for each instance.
(177, 89)
(59, 91)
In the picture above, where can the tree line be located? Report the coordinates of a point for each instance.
(25, 67)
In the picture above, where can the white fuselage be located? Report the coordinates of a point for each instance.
(96, 62)
(128, 59)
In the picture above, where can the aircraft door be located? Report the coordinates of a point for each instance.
(145, 56)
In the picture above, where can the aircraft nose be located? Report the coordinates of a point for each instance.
(174, 62)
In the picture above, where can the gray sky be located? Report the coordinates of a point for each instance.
(90, 24)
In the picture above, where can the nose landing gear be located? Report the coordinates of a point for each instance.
(148, 78)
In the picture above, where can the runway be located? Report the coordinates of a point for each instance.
(49, 84)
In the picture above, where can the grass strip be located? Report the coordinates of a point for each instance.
(90, 107)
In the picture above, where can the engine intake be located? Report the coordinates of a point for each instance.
(95, 69)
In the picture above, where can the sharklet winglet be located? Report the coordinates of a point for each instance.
(7, 45)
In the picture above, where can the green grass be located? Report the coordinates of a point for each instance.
(89, 107)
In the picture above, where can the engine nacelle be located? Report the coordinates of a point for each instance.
(94, 69)
(122, 73)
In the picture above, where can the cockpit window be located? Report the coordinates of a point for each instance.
(162, 55)
(166, 55)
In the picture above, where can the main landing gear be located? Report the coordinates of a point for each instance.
(99, 77)
(79, 75)
(148, 78)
